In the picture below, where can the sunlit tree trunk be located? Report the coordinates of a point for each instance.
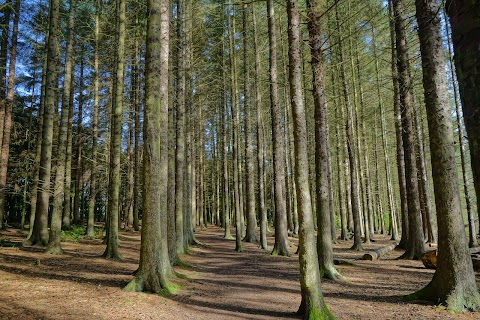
(312, 305)
(454, 278)
(154, 268)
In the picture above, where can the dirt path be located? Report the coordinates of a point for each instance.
(222, 284)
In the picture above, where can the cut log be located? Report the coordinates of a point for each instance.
(375, 254)
(429, 259)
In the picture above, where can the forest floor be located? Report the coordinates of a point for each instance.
(220, 284)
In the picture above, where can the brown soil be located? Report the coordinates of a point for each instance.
(222, 284)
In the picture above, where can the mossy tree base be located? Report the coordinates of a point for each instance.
(456, 300)
(53, 249)
(111, 253)
(357, 247)
(309, 312)
(280, 252)
(152, 285)
(331, 273)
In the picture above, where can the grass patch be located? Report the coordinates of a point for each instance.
(78, 232)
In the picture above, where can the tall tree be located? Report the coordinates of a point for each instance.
(352, 189)
(180, 129)
(324, 235)
(312, 305)
(96, 102)
(454, 279)
(7, 124)
(281, 235)
(415, 247)
(259, 136)
(116, 139)
(154, 268)
(472, 241)
(39, 235)
(56, 223)
(249, 175)
(235, 119)
(465, 26)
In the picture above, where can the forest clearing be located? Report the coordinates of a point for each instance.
(220, 284)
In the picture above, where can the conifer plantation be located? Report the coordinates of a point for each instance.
(238, 159)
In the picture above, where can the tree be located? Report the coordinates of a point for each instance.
(39, 235)
(415, 247)
(281, 236)
(56, 223)
(260, 138)
(324, 235)
(7, 124)
(454, 280)
(465, 37)
(96, 101)
(312, 305)
(249, 175)
(154, 268)
(235, 119)
(116, 138)
(180, 129)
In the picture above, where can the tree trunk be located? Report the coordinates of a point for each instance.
(281, 236)
(461, 140)
(398, 131)
(96, 101)
(250, 235)
(58, 192)
(260, 138)
(3, 67)
(454, 279)
(324, 235)
(466, 38)
(312, 305)
(180, 129)
(154, 268)
(79, 147)
(357, 239)
(39, 234)
(235, 117)
(115, 145)
(415, 247)
(392, 209)
(7, 126)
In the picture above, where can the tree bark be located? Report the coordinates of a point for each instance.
(312, 305)
(39, 234)
(281, 236)
(115, 145)
(58, 193)
(250, 235)
(155, 268)
(7, 126)
(260, 138)
(454, 280)
(466, 39)
(415, 247)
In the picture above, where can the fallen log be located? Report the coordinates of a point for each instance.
(375, 254)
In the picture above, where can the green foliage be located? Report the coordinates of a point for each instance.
(78, 232)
